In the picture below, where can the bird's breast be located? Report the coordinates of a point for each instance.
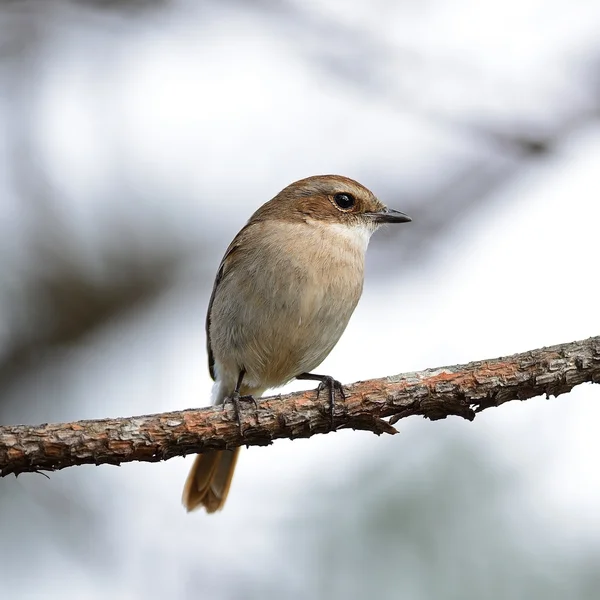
(286, 299)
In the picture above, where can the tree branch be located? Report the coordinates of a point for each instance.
(461, 390)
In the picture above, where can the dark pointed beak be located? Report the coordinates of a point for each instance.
(389, 215)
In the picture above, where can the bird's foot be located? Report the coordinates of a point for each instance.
(236, 399)
(326, 382)
(331, 385)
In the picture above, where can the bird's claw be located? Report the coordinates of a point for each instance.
(331, 385)
(236, 399)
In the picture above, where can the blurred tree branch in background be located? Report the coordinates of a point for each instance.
(461, 390)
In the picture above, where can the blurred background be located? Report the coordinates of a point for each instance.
(137, 138)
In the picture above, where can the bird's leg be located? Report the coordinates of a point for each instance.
(236, 399)
(326, 381)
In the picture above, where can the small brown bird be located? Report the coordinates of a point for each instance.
(284, 293)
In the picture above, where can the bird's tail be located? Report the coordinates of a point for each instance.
(210, 477)
(209, 480)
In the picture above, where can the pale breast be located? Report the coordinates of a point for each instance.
(286, 299)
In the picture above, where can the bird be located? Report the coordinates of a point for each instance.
(282, 297)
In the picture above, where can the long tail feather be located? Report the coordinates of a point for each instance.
(209, 480)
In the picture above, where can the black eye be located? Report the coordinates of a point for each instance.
(344, 201)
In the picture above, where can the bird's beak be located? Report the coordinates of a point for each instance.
(389, 215)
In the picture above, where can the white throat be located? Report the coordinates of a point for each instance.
(358, 235)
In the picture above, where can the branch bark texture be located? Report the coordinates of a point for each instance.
(462, 390)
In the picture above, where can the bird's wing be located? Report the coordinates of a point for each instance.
(225, 265)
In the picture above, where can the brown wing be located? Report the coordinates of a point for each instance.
(235, 244)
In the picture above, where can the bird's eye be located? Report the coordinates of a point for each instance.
(344, 201)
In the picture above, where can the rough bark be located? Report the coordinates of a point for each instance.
(462, 390)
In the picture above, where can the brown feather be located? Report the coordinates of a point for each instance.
(209, 480)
